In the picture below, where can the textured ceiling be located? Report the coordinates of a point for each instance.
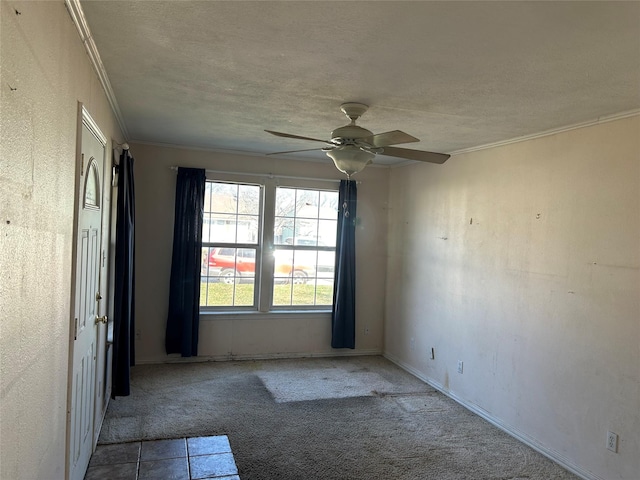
(457, 75)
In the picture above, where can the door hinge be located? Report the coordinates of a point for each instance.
(75, 329)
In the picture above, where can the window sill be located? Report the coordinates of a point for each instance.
(254, 314)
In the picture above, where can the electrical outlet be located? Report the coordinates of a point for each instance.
(366, 330)
(412, 344)
(460, 365)
(612, 441)
(433, 353)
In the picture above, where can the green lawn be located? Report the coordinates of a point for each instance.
(241, 294)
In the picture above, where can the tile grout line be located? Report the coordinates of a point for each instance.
(186, 441)
(138, 463)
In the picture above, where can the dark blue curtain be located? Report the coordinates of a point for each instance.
(184, 295)
(124, 296)
(343, 315)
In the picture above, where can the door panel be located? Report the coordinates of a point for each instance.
(87, 305)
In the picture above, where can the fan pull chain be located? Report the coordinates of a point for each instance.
(345, 207)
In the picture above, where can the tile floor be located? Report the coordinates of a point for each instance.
(180, 459)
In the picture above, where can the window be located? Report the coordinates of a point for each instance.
(304, 246)
(230, 238)
(238, 272)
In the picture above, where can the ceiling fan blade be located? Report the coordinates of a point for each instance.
(288, 135)
(389, 138)
(419, 155)
(294, 151)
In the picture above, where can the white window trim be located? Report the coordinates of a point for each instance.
(264, 269)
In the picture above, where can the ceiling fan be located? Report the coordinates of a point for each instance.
(352, 147)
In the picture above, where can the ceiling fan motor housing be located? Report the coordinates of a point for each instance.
(349, 134)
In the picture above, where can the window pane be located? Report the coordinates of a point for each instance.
(285, 202)
(207, 196)
(247, 229)
(283, 266)
(303, 294)
(206, 227)
(324, 292)
(232, 213)
(229, 228)
(249, 200)
(204, 271)
(307, 203)
(327, 233)
(306, 232)
(283, 231)
(224, 198)
(328, 205)
(216, 294)
(243, 294)
(282, 294)
(297, 217)
(303, 277)
(304, 219)
(223, 228)
(228, 277)
(326, 264)
(315, 292)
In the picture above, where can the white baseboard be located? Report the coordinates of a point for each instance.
(267, 356)
(521, 436)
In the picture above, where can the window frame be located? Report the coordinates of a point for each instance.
(264, 282)
(293, 247)
(258, 247)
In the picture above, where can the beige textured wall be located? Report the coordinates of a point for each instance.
(524, 262)
(43, 59)
(249, 336)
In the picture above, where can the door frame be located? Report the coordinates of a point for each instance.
(85, 119)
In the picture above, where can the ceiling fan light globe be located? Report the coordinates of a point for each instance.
(350, 159)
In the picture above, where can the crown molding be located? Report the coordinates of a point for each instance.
(533, 136)
(546, 133)
(77, 16)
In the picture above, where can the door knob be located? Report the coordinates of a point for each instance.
(102, 319)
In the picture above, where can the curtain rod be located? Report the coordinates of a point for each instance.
(269, 175)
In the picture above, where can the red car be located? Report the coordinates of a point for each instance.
(229, 267)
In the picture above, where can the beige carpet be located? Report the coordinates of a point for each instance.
(290, 383)
(342, 418)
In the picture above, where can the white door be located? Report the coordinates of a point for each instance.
(87, 305)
